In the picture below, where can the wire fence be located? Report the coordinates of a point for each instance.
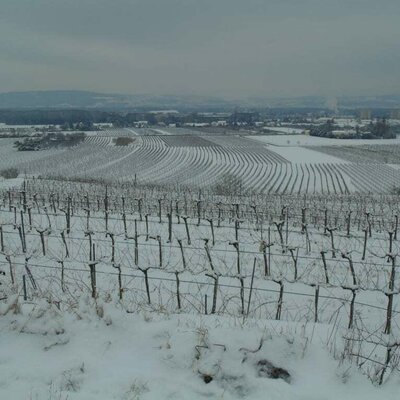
(299, 270)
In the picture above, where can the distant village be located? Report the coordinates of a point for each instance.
(362, 124)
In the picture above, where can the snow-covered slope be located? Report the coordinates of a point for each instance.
(98, 351)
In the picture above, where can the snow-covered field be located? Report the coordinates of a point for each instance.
(306, 140)
(298, 154)
(261, 164)
(285, 130)
(6, 184)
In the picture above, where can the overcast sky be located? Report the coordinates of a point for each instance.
(230, 48)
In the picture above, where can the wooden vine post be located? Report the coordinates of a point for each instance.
(92, 267)
(215, 277)
(331, 230)
(325, 266)
(263, 249)
(120, 288)
(390, 295)
(146, 281)
(280, 300)
(187, 230)
(236, 246)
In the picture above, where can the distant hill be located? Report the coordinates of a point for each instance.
(52, 99)
(343, 102)
(72, 99)
(388, 101)
(75, 99)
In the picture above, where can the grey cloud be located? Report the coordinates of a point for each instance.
(231, 48)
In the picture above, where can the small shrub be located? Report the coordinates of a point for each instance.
(395, 190)
(123, 141)
(50, 140)
(9, 173)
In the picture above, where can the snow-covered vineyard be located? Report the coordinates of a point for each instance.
(261, 164)
(111, 253)
(320, 265)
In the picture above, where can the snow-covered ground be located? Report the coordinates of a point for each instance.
(132, 131)
(11, 183)
(306, 140)
(298, 154)
(5, 126)
(284, 129)
(98, 351)
(161, 131)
